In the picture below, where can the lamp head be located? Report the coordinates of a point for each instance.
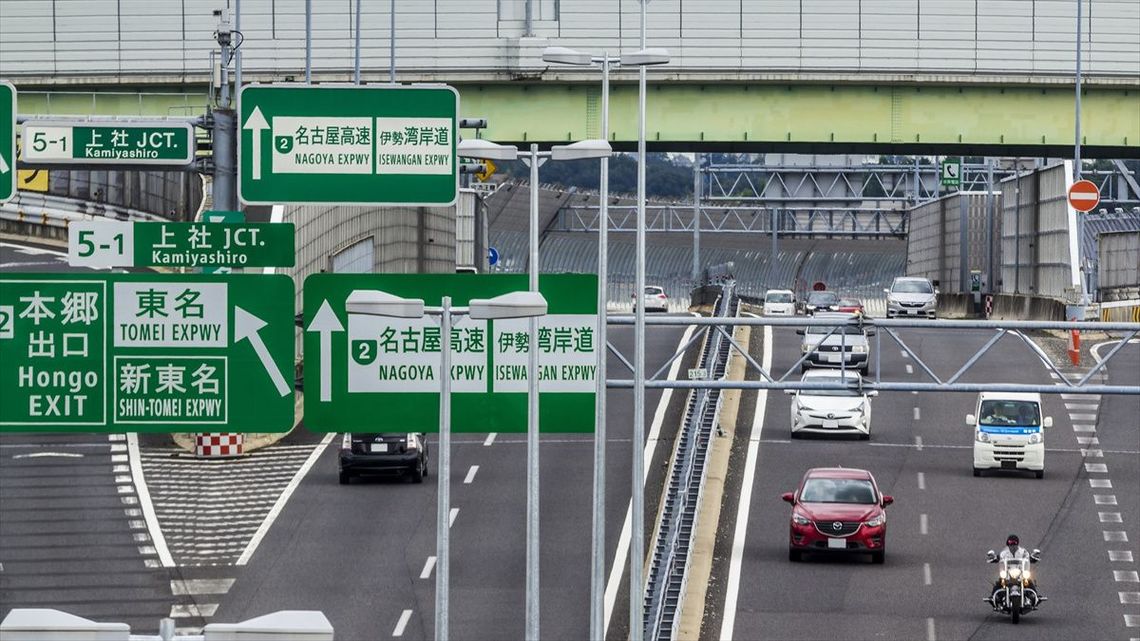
(566, 56)
(373, 302)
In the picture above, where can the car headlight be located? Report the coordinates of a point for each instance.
(800, 519)
(982, 437)
(1034, 438)
(859, 349)
(805, 348)
(876, 521)
(858, 409)
(892, 301)
(346, 442)
(805, 408)
(412, 442)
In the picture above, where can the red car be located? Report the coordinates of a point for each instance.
(851, 305)
(838, 509)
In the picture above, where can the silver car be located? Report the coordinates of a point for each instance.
(844, 346)
(910, 296)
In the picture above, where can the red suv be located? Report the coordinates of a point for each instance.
(838, 509)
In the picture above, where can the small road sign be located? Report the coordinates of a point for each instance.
(698, 373)
(489, 170)
(348, 144)
(951, 172)
(376, 374)
(1084, 196)
(492, 256)
(7, 141)
(144, 352)
(105, 143)
(104, 244)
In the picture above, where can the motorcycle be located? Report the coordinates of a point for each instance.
(1015, 592)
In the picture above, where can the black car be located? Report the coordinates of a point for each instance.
(383, 455)
(821, 301)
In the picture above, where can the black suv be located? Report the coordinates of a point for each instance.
(383, 454)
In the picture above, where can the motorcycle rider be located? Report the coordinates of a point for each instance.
(1013, 550)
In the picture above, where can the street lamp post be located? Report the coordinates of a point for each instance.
(513, 305)
(534, 159)
(566, 56)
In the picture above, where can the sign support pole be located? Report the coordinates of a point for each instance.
(696, 218)
(637, 491)
(963, 244)
(225, 161)
(443, 498)
(532, 467)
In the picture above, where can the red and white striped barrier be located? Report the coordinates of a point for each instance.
(218, 445)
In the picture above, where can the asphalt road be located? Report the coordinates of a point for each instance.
(944, 519)
(361, 553)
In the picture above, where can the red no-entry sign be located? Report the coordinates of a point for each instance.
(1084, 196)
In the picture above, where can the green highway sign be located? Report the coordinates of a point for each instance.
(108, 143)
(7, 141)
(952, 172)
(146, 352)
(375, 374)
(348, 144)
(195, 245)
(228, 217)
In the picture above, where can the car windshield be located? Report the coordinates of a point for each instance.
(850, 391)
(850, 330)
(912, 287)
(823, 298)
(778, 298)
(858, 491)
(1004, 412)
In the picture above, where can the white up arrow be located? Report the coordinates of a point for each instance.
(325, 323)
(256, 123)
(247, 326)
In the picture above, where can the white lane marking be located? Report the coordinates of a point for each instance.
(1081, 397)
(489, 440)
(1081, 406)
(48, 455)
(118, 448)
(926, 574)
(732, 594)
(193, 610)
(904, 353)
(1115, 536)
(1129, 597)
(918, 443)
(279, 505)
(116, 437)
(622, 552)
(917, 414)
(1124, 556)
(909, 369)
(405, 616)
(1126, 576)
(152, 526)
(1082, 417)
(1096, 467)
(1092, 453)
(922, 524)
(426, 573)
(915, 393)
(200, 586)
(451, 517)
(921, 481)
(1104, 499)
(470, 475)
(930, 636)
(1132, 621)
(1100, 483)
(1088, 440)
(1084, 428)
(1110, 517)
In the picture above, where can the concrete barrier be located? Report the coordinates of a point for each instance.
(955, 305)
(1019, 307)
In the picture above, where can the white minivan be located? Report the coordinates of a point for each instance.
(779, 302)
(1009, 432)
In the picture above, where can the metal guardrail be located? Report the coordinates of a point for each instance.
(668, 570)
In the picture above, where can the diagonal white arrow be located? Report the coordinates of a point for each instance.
(247, 326)
(326, 322)
(256, 123)
(3, 165)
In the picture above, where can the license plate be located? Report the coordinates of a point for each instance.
(1009, 465)
(837, 544)
(831, 424)
(834, 358)
(379, 447)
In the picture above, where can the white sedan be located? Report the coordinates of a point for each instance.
(654, 299)
(844, 411)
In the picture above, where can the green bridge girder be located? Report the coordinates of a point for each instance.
(989, 119)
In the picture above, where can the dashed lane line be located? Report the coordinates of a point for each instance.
(926, 579)
(451, 517)
(1110, 517)
(467, 480)
(1120, 556)
(1104, 499)
(921, 481)
(1100, 483)
(930, 636)
(1126, 576)
(918, 443)
(917, 414)
(923, 524)
(909, 369)
(428, 566)
(1115, 536)
(489, 440)
(187, 587)
(402, 624)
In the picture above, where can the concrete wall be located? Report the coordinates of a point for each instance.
(1015, 37)
(1038, 238)
(1118, 271)
(934, 242)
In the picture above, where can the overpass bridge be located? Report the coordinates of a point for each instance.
(878, 76)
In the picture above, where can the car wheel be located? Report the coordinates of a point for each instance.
(1039, 473)
(795, 556)
(345, 479)
(418, 473)
(977, 471)
(865, 371)
(804, 367)
(796, 435)
(878, 557)
(864, 437)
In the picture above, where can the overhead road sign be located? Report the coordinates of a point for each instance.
(7, 141)
(146, 352)
(952, 172)
(1084, 196)
(104, 244)
(371, 373)
(348, 144)
(78, 142)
